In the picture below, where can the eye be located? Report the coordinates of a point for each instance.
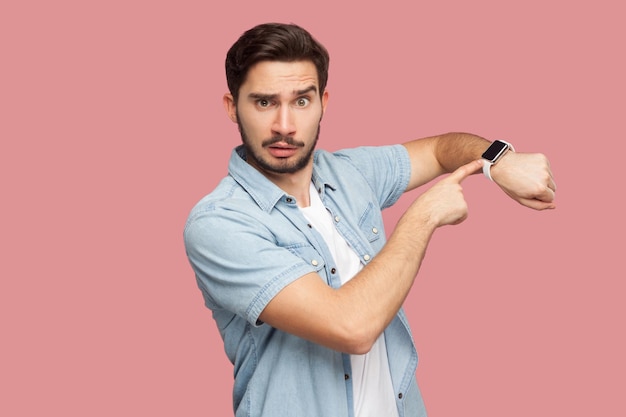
(263, 103)
(302, 102)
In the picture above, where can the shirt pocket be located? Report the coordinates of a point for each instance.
(372, 227)
(311, 256)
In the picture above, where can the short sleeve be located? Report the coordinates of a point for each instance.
(237, 261)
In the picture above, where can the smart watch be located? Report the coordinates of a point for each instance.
(494, 152)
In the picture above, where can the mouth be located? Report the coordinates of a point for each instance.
(282, 150)
(282, 146)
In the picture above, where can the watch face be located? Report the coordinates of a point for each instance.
(494, 151)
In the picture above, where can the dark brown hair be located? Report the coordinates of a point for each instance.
(274, 42)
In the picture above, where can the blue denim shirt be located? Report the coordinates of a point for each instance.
(247, 240)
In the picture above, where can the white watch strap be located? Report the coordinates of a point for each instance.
(487, 164)
(487, 169)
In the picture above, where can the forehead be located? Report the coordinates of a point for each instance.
(274, 77)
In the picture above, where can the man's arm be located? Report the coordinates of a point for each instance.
(525, 177)
(351, 318)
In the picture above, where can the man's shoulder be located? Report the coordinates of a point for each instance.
(227, 196)
(347, 154)
(363, 158)
(331, 159)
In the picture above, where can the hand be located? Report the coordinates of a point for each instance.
(444, 204)
(526, 178)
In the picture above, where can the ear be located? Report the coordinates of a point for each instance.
(231, 108)
(324, 101)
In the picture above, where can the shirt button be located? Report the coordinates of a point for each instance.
(400, 395)
(375, 230)
(333, 270)
(314, 262)
(310, 225)
(346, 377)
(366, 257)
(337, 219)
(289, 200)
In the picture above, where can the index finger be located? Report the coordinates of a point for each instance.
(465, 171)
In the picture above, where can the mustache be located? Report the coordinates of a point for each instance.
(289, 140)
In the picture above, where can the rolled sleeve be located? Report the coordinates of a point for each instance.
(238, 265)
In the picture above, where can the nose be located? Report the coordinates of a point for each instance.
(284, 123)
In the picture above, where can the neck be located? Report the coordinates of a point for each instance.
(296, 184)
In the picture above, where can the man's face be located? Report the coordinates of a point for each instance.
(278, 114)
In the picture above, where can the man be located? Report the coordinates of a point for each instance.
(290, 252)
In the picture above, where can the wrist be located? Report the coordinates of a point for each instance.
(494, 153)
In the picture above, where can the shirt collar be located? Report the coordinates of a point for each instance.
(321, 177)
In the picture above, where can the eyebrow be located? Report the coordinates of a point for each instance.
(261, 96)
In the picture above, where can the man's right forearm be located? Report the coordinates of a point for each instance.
(373, 297)
(352, 317)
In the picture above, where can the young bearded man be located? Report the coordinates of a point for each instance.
(290, 251)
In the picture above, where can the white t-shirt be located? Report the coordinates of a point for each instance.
(371, 379)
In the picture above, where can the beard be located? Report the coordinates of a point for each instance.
(281, 167)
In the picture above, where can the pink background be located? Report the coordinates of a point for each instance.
(112, 128)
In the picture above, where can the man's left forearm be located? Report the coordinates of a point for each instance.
(441, 154)
(455, 149)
